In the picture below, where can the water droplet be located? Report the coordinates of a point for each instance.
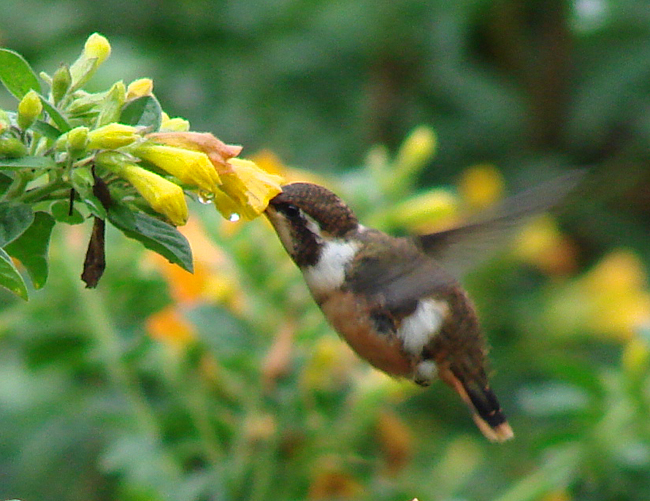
(205, 197)
(234, 217)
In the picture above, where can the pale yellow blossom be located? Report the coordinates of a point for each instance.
(139, 88)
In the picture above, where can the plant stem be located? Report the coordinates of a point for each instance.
(17, 187)
(41, 192)
(101, 328)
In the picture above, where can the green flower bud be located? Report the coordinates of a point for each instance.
(29, 108)
(11, 147)
(61, 82)
(77, 139)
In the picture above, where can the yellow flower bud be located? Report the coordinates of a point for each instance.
(427, 212)
(29, 108)
(95, 52)
(190, 167)
(139, 88)
(162, 195)
(416, 150)
(174, 124)
(97, 47)
(112, 136)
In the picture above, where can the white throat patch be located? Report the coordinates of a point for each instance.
(329, 273)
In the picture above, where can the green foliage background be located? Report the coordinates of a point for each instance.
(92, 408)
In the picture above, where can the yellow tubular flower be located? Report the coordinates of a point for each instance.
(249, 188)
(189, 167)
(217, 151)
(162, 195)
(139, 88)
(112, 136)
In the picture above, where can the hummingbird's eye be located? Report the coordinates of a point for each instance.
(290, 211)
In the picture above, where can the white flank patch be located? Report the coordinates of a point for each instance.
(329, 273)
(420, 326)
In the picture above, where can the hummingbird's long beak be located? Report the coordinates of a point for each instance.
(484, 406)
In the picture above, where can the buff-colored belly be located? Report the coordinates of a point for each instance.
(382, 351)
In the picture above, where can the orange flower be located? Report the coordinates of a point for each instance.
(212, 280)
(171, 328)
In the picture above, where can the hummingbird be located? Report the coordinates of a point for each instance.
(397, 301)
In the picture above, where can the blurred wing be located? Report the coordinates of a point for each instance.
(398, 276)
(461, 248)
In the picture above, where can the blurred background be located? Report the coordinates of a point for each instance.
(227, 384)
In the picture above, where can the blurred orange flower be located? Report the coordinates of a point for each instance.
(618, 290)
(213, 279)
(212, 282)
(542, 244)
(611, 300)
(395, 439)
(333, 483)
(171, 328)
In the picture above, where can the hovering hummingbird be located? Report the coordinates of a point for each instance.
(396, 300)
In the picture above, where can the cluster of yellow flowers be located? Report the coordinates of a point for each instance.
(159, 165)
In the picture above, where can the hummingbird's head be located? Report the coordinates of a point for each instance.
(306, 217)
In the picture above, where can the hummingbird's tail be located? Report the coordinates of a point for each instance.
(485, 407)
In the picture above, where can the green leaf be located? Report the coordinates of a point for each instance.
(144, 111)
(16, 74)
(27, 163)
(15, 218)
(154, 234)
(5, 182)
(61, 212)
(60, 121)
(82, 181)
(32, 246)
(45, 129)
(10, 276)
